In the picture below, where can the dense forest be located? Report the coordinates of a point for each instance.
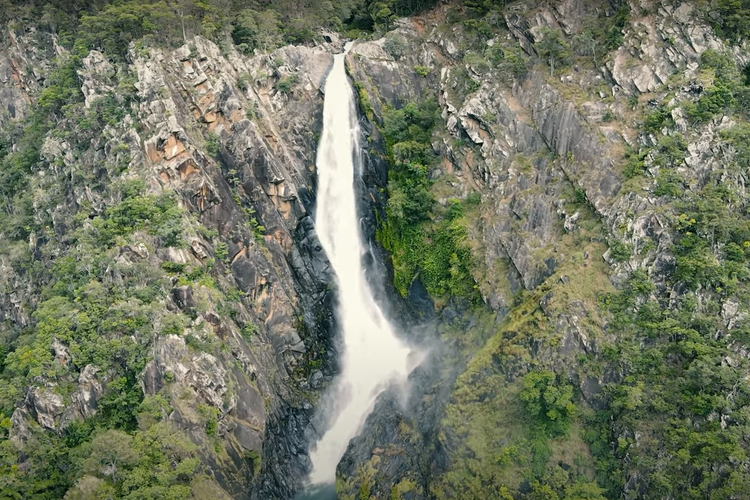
(263, 25)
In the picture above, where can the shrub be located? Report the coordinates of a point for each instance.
(739, 137)
(422, 70)
(548, 400)
(511, 62)
(248, 331)
(712, 101)
(222, 252)
(211, 416)
(619, 251)
(159, 215)
(173, 267)
(474, 199)
(668, 183)
(671, 150)
(244, 82)
(580, 196)
(395, 45)
(635, 164)
(553, 49)
(286, 83)
(657, 119)
(212, 144)
(463, 83)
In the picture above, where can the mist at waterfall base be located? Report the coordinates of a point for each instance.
(372, 356)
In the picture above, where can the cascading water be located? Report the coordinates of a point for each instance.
(372, 355)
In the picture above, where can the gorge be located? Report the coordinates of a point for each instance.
(372, 355)
(485, 250)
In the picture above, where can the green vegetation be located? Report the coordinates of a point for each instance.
(726, 90)
(463, 84)
(598, 36)
(213, 145)
(553, 49)
(110, 325)
(505, 424)
(363, 100)
(61, 96)
(94, 297)
(211, 416)
(157, 214)
(548, 401)
(112, 26)
(673, 420)
(674, 382)
(730, 18)
(422, 70)
(508, 60)
(395, 45)
(426, 241)
(286, 83)
(676, 395)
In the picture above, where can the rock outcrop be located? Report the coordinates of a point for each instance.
(546, 153)
(240, 155)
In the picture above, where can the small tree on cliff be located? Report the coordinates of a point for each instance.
(382, 15)
(553, 48)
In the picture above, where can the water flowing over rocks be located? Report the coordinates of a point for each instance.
(239, 151)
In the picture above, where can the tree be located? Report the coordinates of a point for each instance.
(91, 488)
(395, 45)
(584, 491)
(382, 14)
(586, 45)
(115, 26)
(111, 452)
(553, 48)
(260, 30)
(731, 18)
(548, 401)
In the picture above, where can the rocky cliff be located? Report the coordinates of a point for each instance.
(240, 343)
(563, 217)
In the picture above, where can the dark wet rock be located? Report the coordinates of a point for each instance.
(183, 297)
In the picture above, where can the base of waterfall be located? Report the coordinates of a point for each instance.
(317, 492)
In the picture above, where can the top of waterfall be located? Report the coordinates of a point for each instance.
(348, 46)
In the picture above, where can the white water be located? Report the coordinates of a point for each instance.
(372, 355)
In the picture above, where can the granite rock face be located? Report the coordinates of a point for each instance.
(531, 146)
(213, 128)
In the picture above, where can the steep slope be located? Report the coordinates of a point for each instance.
(160, 271)
(608, 152)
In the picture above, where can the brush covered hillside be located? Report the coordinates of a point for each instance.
(554, 193)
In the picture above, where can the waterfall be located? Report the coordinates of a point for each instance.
(372, 355)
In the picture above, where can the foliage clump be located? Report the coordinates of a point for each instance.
(426, 241)
(553, 48)
(395, 45)
(158, 214)
(729, 18)
(548, 401)
(286, 83)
